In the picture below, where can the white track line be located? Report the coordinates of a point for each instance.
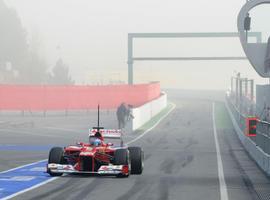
(28, 189)
(154, 126)
(22, 166)
(222, 182)
(52, 179)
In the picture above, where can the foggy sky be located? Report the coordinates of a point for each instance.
(91, 37)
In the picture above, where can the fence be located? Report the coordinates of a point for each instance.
(257, 146)
(240, 118)
(40, 98)
(262, 138)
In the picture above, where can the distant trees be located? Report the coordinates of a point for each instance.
(60, 74)
(13, 40)
(19, 60)
(33, 70)
(13, 43)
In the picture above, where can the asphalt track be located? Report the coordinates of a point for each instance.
(181, 157)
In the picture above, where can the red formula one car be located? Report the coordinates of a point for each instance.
(97, 157)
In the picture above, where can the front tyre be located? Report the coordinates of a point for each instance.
(137, 158)
(56, 156)
(121, 157)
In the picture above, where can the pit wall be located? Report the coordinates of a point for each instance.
(260, 157)
(147, 111)
(75, 97)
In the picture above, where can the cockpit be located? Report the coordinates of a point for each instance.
(95, 141)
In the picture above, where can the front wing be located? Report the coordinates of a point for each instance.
(103, 170)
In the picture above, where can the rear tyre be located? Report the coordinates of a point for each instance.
(137, 158)
(56, 156)
(121, 157)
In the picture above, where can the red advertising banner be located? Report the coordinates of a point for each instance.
(24, 97)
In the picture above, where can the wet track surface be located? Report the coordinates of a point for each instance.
(180, 157)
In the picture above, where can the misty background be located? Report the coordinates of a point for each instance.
(85, 42)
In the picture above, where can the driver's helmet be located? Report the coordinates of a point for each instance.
(95, 141)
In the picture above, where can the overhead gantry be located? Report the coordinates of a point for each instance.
(132, 36)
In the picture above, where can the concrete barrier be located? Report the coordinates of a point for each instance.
(261, 158)
(74, 97)
(147, 111)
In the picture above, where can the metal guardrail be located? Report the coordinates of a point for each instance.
(257, 147)
(239, 117)
(262, 138)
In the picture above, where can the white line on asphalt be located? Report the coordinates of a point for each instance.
(154, 126)
(52, 179)
(222, 182)
(22, 166)
(28, 189)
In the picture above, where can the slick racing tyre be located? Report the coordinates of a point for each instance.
(56, 156)
(137, 158)
(121, 157)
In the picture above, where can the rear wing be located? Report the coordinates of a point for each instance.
(107, 133)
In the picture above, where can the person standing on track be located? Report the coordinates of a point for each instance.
(123, 114)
